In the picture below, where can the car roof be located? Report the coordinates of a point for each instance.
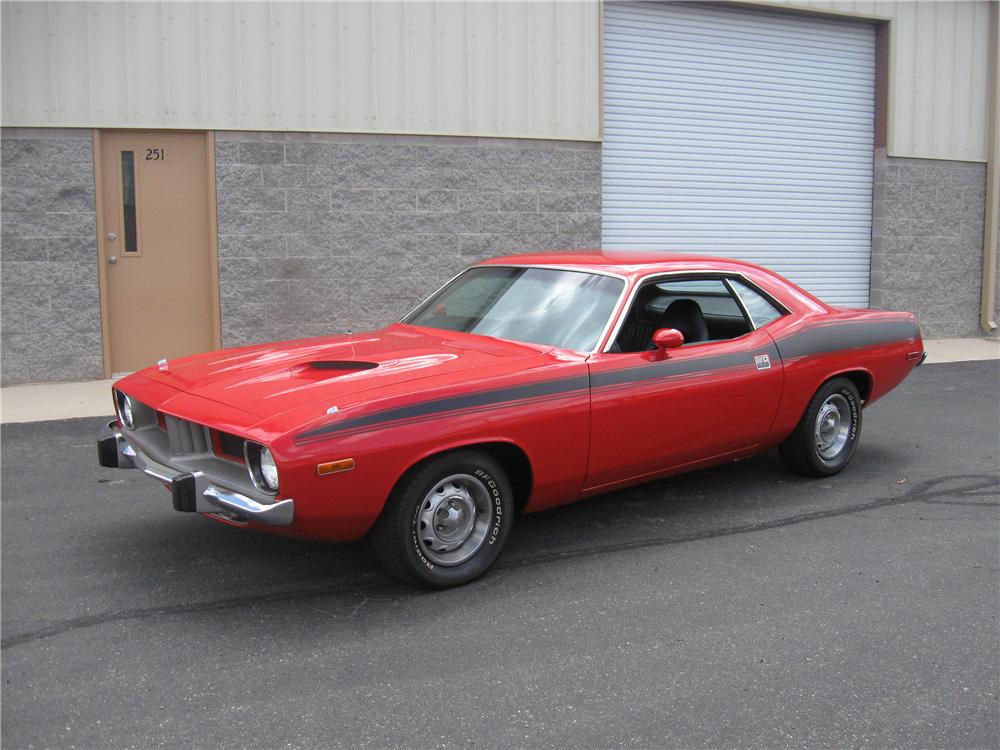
(627, 263)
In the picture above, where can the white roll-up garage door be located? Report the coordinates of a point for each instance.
(742, 133)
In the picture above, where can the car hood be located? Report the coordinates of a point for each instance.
(270, 379)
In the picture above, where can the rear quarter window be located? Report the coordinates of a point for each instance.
(761, 310)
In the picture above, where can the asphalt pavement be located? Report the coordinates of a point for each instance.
(736, 606)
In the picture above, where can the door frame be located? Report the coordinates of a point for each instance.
(213, 239)
(695, 352)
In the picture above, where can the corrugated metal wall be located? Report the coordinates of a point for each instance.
(518, 69)
(938, 63)
(470, 68)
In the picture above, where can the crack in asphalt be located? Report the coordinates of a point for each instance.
(923, 492)
(965, 503)
(979, 485)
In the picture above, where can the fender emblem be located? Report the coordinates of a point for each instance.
(762, 361)
(332, 410)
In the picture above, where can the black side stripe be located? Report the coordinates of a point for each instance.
(670, 368)
(831, 338)
(454, 403)
(819, 340)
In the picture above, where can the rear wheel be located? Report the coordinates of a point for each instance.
(826, 437)
(446, 521)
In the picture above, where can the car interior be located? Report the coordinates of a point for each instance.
(703, 309)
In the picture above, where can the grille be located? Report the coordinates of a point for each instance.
(231, 445)
(187, 437)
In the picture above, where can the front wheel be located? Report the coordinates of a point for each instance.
(446, 521)
(826, 437)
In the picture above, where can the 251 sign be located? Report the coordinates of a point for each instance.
(156, 154)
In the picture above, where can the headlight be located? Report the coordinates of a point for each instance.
(125, 410)
(262, 467)
(268, 469)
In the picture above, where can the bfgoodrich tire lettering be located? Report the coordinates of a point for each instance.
(826, 437)
(446, 521)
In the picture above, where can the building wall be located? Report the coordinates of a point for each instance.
(927, 243)
(514, 69)
(49, 300)
(325, 233)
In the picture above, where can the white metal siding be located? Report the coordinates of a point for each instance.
(514, 69)
(742, 133)
(938, 73)
(466, 68)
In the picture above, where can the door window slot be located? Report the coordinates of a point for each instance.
(129, 235)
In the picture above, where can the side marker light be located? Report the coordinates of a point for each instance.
(335, 467)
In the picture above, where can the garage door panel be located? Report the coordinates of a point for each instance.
(745, 133)
(646, 56)
(839, 136)
(826, 31)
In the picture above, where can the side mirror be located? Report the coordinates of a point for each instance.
(668, 338)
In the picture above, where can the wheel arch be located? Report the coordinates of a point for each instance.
(513, 459)
(861, 377)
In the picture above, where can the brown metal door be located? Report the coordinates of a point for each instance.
(157, 247)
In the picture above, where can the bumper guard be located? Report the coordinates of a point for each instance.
(192, 491)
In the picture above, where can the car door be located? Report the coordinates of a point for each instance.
(653, 411)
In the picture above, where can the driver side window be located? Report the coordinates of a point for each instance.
(702, 309)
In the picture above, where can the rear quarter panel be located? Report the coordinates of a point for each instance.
(821, 345)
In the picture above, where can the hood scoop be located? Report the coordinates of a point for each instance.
(342, 365)
(325, 369)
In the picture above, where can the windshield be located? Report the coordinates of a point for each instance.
(568, 309)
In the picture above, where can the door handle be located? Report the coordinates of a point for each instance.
(113, 259)
(112, 236)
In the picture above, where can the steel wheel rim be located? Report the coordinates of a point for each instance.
(454, 519)
(833, 426)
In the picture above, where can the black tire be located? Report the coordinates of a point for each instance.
(803, 451)
(464, 489)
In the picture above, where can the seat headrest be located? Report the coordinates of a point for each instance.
(685, 315)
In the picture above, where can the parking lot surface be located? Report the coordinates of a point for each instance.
(736, 606)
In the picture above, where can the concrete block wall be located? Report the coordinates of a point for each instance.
(927, 242)
(49, 300)
(323, 233)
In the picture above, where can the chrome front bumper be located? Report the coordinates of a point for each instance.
(192, 491)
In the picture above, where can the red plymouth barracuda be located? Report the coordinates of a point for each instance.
(526, 382)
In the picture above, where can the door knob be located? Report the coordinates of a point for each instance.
(113, 259)
(112, 236)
